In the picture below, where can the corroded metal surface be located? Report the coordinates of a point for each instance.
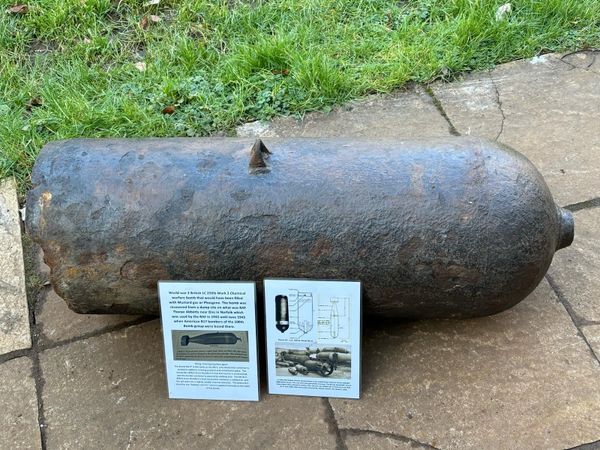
(439, 228)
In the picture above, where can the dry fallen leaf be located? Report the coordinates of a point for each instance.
(196, 32)
(169, 109)
(144, 23)
(32, 103)
(141, 66)
(19, 9)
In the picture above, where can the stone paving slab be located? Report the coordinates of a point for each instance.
(401, 114)
(57, 323)
(545, 108)
(576, 269)
(19, 412)
(14, 315)
(110, 392)
(522, 379)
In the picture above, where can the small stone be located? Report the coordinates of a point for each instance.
(503, 11)
(253, 129)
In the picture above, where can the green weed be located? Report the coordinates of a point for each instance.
(99, 68)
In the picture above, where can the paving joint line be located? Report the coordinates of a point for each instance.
(36, 373)
(334, 428)
(586, 204)
(499, 103)
(595, 445)
(438, 105)
(24, 352)
(575, 318)
(100, 332)
(594, 53)
(397, 437)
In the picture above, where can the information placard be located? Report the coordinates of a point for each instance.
(209, 333)
(313, 331)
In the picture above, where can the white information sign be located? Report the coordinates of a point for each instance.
(209, 333)
(313, 337)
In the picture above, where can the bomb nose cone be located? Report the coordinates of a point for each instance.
(282, 326)
(566, 231)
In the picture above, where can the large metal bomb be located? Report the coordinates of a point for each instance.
(457, 227)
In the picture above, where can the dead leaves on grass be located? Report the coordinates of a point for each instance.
(18, 9)
(33, 103)
(146, 21)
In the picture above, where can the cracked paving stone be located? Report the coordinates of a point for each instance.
(110, 391)
(14, 314)
(576, 269)
(521, 379)
(551, 114)
(372, 441)
(592, 334)
(57, 323)
(408, 113)
(19, 413)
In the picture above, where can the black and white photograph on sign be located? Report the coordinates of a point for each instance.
(210, 345)
(324, 362)
(210, 342)
(313, 337)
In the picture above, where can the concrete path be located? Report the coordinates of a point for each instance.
(528, 378)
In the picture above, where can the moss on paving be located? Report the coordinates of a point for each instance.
(96, 68)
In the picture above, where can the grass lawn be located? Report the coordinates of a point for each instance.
(96, 68)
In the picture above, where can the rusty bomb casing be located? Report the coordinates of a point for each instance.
(458, 227)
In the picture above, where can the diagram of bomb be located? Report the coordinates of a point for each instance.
(294, 312)
(333, 321)
(211, 339)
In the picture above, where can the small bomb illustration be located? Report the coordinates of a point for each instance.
(282, 315)
(210, 339)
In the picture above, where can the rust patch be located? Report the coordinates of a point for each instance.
(322, 247)
(52, 252)
(45, 198)
(411, 247)
(146, 272)
(91, 272)
(92, 258)
(281, 259)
